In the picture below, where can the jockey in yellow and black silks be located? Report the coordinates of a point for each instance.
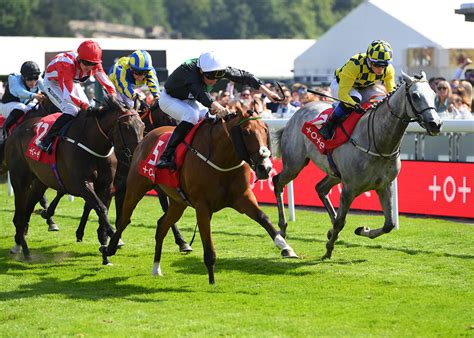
(360, 72)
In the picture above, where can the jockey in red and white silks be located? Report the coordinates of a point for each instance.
(64, 74)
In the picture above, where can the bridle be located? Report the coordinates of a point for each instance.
(371, 122)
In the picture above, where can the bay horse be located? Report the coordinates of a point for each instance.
(215, 174)
(85, 164)
(370, 161)
(41, 109)
(153, 117)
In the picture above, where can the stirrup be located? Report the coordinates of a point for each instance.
(46, 147)
(164, 164)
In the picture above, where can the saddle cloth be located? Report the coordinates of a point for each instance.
(166, 176)
(41, 128)
(342, 131)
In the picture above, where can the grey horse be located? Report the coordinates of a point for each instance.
(370, 161)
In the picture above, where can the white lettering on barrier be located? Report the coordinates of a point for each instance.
(449, 189)
(264, 184)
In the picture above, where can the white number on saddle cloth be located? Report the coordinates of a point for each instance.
(156, 152)
(40, 130)
(320, 119)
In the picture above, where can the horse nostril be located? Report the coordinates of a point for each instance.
(435, 126)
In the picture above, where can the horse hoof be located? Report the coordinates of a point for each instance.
(185, 248)
(53, 227)
(16, 249)
(107, 263)
(288, 253)
(326, 256)
(78, 240)
(156, 271)
(120, 243)
(362, 231)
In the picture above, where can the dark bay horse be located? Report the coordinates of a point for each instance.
(153, 118)
(213, 176)
(41, 109)
(370, 162)
(85, 164)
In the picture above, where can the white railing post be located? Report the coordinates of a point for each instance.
(291, 202)
(395, 203)
(10, 188)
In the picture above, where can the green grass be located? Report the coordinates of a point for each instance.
(417, 281)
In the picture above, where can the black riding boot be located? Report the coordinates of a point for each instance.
(179, 133)
(14, 116)
(46, 143)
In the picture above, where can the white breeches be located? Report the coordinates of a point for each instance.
(6, 108)
(182, 110)
(63, 100)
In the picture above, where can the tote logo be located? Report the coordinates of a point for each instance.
(449, 189)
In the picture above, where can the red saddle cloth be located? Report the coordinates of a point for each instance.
(311, 130)
(165, 176)
(41, 128)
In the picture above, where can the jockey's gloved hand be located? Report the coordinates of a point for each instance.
(358, 109)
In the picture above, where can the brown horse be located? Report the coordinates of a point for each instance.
(41, 109)
(85, 164)
(153, 118)
(218, 179)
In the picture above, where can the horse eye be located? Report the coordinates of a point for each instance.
(416, 96)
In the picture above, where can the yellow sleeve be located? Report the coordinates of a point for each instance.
(347, 77)
(389, 79)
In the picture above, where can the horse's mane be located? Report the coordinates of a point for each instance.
(386, 97)
(109, 104)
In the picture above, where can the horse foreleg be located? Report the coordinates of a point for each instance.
(172, 215)
(203, 218)
(322, 188)
(278, 191)
(130, 201)
(250, 207)
(49, 211)
(385, 198)
(340, 220)
(178, 238)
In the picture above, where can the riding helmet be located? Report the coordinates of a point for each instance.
(30, 68)
(380, 53)
(140, 60)
(90, 51)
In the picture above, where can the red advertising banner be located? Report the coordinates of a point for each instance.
(428, 188)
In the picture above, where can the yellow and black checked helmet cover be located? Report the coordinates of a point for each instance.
(379, 51)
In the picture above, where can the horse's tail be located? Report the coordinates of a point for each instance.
(276, 142)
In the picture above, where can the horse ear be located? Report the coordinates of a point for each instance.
(406, 78)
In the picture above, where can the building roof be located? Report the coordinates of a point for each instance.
(403, 23)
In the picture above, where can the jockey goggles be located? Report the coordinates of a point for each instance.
(215, 74)
(378, 63)
(31, 77)
(88, 63)
(140, 72)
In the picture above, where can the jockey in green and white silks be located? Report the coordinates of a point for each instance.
(187, 96)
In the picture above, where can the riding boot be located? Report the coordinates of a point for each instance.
(179, 133)
(14, 116)
(327, 129)
(46, 143)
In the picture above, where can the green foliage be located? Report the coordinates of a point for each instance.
(414, 282)
(194, 19)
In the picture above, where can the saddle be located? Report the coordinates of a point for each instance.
(342, 132)
(41, 128)
(166, 176)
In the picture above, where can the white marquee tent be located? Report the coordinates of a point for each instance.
(265, 58)
(403, 23)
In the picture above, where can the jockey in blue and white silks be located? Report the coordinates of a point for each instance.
(22, 93)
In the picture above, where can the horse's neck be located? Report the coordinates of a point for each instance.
(85, 129)
(381, 128)
(218, 144)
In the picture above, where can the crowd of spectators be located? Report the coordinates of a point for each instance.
(454, 98)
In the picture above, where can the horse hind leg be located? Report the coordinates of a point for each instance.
(48, 210)
(322, 188)
(279, 182)
(83, 222)
(385, 198)
(178, 238)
